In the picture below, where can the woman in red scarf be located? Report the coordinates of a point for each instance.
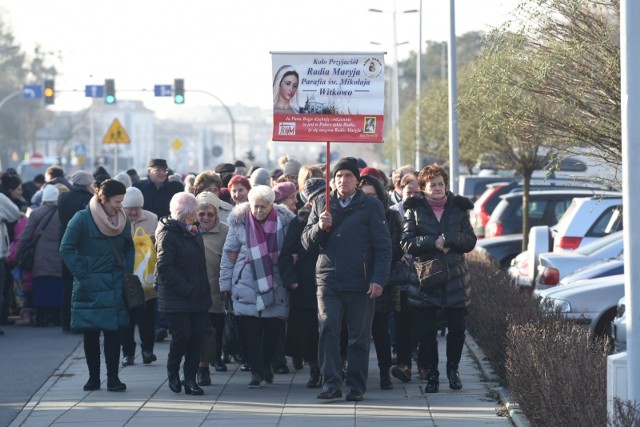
(437, 226)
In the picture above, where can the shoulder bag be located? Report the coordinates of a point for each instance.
(433, 273)
(132, 287)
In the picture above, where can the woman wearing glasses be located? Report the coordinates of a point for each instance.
(214, 233)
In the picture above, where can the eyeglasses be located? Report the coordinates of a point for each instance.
(207, 214)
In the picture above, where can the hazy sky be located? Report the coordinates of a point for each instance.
(218, 46)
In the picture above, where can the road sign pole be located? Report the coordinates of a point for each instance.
(115, 161)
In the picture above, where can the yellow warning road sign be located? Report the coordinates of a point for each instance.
(176, 144)
(116, 134)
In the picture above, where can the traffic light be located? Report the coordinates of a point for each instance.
(110, 91)
(178, 91)
(49, 92)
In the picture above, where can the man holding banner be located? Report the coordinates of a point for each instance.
(351, 271)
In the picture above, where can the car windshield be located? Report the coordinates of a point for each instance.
(590, 248)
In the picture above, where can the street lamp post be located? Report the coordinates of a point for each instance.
(231, 119)
(395, 94)
(418, 91)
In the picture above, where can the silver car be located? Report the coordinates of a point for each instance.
(554, 266)
(619, 327)
(592, 303)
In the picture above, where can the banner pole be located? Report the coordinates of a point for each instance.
(327, 193)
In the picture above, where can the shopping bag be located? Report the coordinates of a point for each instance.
(145, 260)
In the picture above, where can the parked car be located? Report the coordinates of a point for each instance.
(554, 266)
(472, 186)
(503, 248)
(604, 268)
(587, 219)
(592, 303)
(545, 208)
(490, 198)
(619, 327)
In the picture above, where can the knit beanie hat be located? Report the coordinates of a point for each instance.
(208, 198)
(348, 163)
(292, 167)
(371, 172)
(260, 176)
(50, 193)
(133, 198)
(314, 187)
(284, 190)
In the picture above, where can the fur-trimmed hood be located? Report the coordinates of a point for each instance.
(237, 215)
(460, 202)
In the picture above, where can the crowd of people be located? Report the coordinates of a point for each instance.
(290, 264)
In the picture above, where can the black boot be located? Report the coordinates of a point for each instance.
(315, 381)
(174, 382)
(454, 379)
(92, 384)
(256, 380)
(433, 382)
(203, 377)
(385, 379)
(114, 383)
(191, 387)
(93, 363)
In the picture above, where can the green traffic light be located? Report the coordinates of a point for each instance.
(178, 99)
(110, 99)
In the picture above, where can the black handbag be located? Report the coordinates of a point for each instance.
(26, 254)
(131, 284)
(231, 337)
(432, 274)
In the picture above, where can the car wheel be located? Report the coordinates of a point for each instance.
(603, 327)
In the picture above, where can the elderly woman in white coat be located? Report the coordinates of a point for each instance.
(250, 272)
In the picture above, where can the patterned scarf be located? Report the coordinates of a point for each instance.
(262, 249)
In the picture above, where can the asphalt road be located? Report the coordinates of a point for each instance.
(30, 355)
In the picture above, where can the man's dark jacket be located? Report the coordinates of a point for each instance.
(357, 250)
(157, 199)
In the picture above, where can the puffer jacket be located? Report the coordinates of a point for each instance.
(181, 270)
(420, 230)
(357, 250)
(97, 301)
(237, 277)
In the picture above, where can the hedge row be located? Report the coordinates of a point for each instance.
(553, 368)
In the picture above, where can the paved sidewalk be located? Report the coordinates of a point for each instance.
(149, 402)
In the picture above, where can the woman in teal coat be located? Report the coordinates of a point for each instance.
(97, 303)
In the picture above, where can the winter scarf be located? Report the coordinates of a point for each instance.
(110, 227)
(262, 252)
(437, 206)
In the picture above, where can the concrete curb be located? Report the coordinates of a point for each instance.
(493, 381)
